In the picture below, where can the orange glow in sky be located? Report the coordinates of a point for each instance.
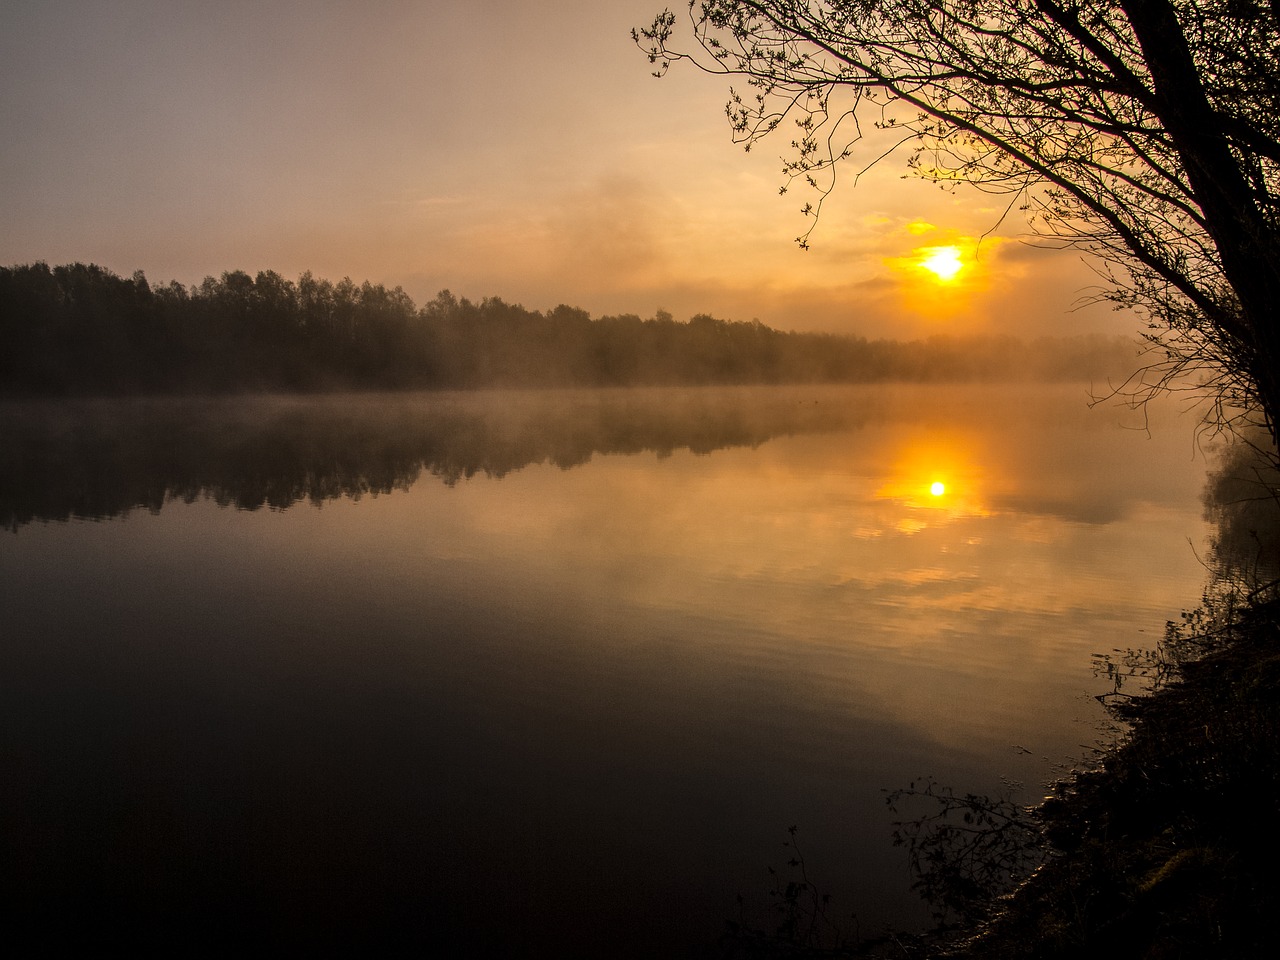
(944, 282)
(943, 262)
(327, 141)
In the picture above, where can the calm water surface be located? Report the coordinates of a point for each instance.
(548, 674)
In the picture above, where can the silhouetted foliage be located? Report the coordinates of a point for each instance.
(1158, 849)
(803, 924)
(965, 850)
(1144, 132)
(82, 330)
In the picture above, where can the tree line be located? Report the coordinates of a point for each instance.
(80, 329)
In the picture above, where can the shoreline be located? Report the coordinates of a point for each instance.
(1158, 849)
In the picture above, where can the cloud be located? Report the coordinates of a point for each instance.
(612, 227)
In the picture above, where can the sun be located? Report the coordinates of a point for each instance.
(943, 262)
(937, 488)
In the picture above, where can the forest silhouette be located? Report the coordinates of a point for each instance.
(81, 330)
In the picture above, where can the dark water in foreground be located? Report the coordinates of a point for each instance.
(546, 674)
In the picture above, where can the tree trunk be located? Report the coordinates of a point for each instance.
(1248, 246)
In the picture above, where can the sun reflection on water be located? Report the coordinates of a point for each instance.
(935, 480)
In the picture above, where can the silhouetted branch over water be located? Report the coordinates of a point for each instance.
(80, 330)
(1142, 132)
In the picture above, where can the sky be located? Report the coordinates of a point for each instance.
(509, 148)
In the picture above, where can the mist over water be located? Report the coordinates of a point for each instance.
(549, 673)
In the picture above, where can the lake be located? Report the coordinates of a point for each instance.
(548, 674)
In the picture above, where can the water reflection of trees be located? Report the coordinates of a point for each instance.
(1242, 499)
(104, 458)
(100, 459)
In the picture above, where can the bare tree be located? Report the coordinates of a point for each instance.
(1146, 132)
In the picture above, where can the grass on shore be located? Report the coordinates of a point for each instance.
(1160, 849)
(1165, 848)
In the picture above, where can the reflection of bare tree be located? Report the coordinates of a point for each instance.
(1242, 497)
(97, 459)
(964, 851)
